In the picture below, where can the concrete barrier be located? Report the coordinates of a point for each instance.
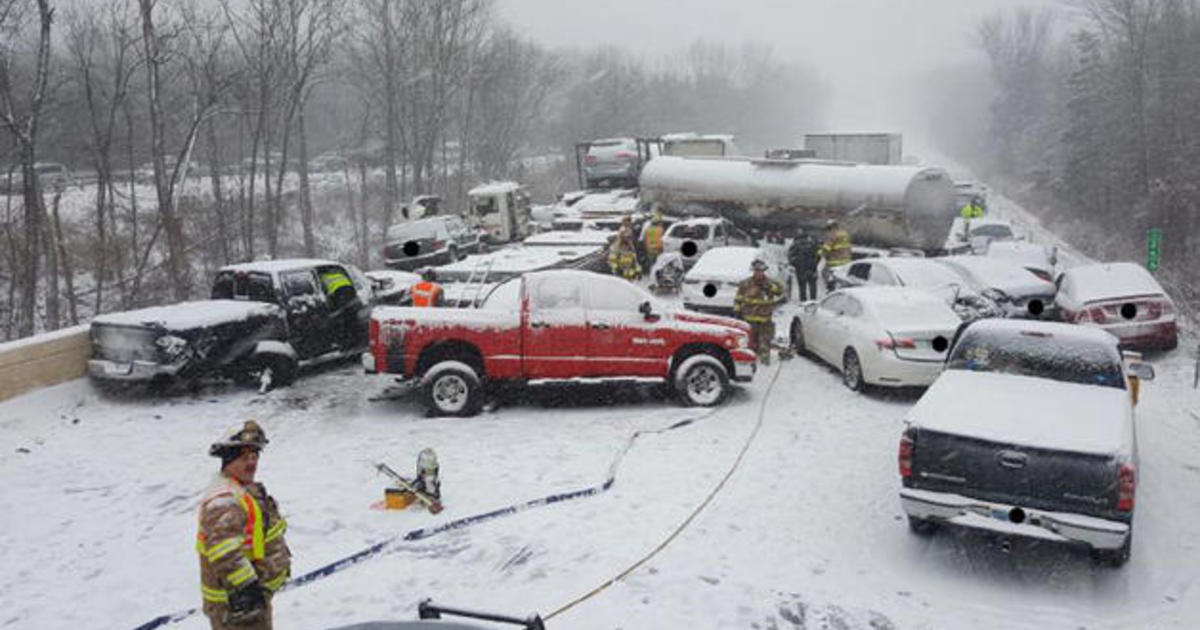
(43, 360)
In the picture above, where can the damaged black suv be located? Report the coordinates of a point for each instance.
(264, 322)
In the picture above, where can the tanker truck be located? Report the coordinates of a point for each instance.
(881, 206)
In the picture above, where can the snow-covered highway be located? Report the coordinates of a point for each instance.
(100, 497)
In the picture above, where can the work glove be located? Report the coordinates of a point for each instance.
(247, 605)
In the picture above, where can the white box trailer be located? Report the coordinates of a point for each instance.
(882, 206)
(864, 148)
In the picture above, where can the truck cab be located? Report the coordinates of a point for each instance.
(502, 210)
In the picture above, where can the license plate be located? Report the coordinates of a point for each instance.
(118, 369)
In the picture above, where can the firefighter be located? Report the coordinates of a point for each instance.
(755, 302)
(244, 558)
(652, 239)
(802, 254)
(622, 254)
(835, 250)
(343, 303)
(428, 292)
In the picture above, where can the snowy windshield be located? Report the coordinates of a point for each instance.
(1040, 355)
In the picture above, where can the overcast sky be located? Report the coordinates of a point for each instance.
(866, 50)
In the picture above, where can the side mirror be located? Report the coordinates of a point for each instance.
(646, 309)
(1143, 371)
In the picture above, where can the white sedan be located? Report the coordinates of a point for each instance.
(887, 336)
(712, 283)
(918, 273)
(1014, 288)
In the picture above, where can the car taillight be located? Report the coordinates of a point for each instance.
(437, 244)
(1126, 487)
(1156, 309)
(625, 155)
(591, 159)
(1097, 315)
(891, 343)
(373, 332)
(907, 442)
(1168, 309)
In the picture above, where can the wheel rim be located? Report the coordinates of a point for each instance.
(450, 393)
(704, 385)
(852, 374)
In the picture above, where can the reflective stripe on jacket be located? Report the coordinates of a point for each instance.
(426, 293)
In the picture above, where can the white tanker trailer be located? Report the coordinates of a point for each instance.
(882, 206)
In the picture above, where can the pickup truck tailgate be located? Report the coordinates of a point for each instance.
(1082, 483)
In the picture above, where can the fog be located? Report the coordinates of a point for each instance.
(891, 64)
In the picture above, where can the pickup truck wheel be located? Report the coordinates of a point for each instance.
(453, 390)
(702, 381)
(921, 527)
(852, 374)
(1114, 557)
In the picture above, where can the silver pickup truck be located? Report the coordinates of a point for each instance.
(1028, 432)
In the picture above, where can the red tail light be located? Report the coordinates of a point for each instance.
(591, 159)
(437, 244)
(1156, 310)
(907, 442)
(1097, 315)
(1126, 487)
(625, 155)
(891, 343)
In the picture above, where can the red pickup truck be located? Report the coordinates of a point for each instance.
(561, 325)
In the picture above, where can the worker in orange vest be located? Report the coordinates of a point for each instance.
(427, 292)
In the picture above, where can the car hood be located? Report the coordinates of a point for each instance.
(1027, 411)
(693, 317)
(188, 315)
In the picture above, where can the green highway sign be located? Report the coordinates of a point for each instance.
(1153, 248)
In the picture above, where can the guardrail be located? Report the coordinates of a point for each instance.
(43, 360)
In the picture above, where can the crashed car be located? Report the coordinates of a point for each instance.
(266, 320)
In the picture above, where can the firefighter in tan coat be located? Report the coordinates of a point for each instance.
(243, 556)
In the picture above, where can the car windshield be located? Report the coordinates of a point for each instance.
(996, 231)
(1060, 357)
(697, 231)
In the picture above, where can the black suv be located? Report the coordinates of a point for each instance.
(265, 321)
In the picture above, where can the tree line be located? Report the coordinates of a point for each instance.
(1096, 123)
(196, 134)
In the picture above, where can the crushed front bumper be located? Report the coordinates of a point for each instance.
(956, 509)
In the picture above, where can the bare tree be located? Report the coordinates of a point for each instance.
(103, 54)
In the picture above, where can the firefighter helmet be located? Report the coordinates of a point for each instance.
(238, 436)
(758, 265)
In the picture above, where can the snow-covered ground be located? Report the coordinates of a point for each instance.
(100, 493)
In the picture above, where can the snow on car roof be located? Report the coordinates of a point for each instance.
(996, 271)
(494, 188)
(1054, 329)
(586, 237)
(918, 271)
(1112, 280)
(725, 263)
(902, 306)
(517, 259)
(700, 221)
(1026, 410)
(187, 314)
(276, 266)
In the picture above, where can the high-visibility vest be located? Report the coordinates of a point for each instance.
(425, 293)
(252, 544)
(654, 235)
(836, 249)
(971, 211)
(334, 280)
